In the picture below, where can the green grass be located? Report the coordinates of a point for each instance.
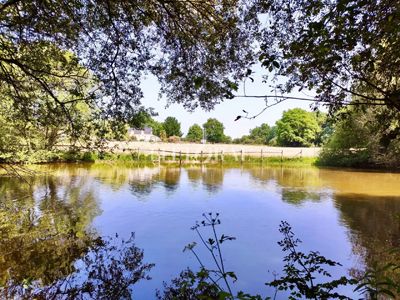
(229, 160)
(151, 159)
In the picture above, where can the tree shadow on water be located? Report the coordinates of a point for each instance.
(48, 249)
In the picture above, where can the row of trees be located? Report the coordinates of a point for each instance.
(296, 128)
(52, 62)
(355, 136)
(213, 132)
(19, 139)
(171, 128)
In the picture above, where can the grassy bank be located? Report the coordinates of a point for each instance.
(229, 160)
(42, 157)
(357, 159)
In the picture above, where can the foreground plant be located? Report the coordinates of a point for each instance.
(209, 282)
(301, 271)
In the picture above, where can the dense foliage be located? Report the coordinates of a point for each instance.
(72, 71)
(345, 51)
(261, 135)
(172, 127)
(117, 42)
(43, 127)
(195, 133)
(364, 137)
(297, 128)
(214, 131)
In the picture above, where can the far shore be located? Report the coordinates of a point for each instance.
(231, 149)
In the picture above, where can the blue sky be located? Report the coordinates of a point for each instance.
(227, 111)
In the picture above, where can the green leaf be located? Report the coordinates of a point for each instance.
(233, 85)
(276, 64)
(231, 275)
(224, 295)
(198, 82)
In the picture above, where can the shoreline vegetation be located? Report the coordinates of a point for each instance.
(166, 158)
(152, 154)
(140, 157)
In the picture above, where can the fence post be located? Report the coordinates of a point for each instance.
(138, 154)
(222, 156)
(201, 156)
(282, 156)
(301, 153)
(261, 156)
(159, 156)
(241, 156)
(180, 158)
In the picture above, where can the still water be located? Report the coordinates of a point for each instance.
(348, 216)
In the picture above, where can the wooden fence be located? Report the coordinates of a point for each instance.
(164, 155)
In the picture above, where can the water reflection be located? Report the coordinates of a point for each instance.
(211, 178)
(374, 224)
(288, 177)
(44, 228)
(49, 249)
(170, 178)
(143, 181)
(297, 197)
(47, 226)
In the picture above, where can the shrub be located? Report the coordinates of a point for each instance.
(174, 139)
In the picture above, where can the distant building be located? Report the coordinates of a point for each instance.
(145, 134)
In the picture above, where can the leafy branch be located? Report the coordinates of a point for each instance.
(301, 271)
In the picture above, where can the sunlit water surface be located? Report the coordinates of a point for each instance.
(347, 216)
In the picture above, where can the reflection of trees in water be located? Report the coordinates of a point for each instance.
(371, 218)
(42, 238)
(295, 183)
(107, 270)
(170, 177)
(194, 175)
(374, 226)
(141, 189)
(45, 230)
(113, 177)
(298, 196)
(143, 181)
(287, 177)
(213, 179)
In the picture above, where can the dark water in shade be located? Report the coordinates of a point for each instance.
(347, 216)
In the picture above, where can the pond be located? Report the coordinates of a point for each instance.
(348, 216)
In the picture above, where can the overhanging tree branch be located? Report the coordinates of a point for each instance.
(280, 99)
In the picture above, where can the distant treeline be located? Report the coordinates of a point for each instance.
(357, 136)
(296, 128)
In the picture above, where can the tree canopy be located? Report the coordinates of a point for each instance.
(198, 50)
(364, 137)
(297, 128)
(261, 135)
(214, 131)
(195, 133)
(345, 51)
(172, 127)
(97, 51)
